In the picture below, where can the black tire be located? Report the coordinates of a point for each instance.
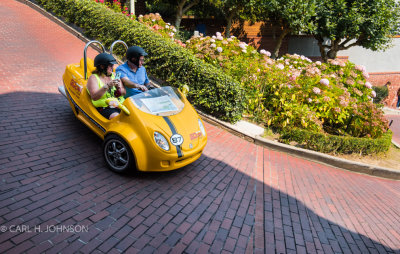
(117, 154)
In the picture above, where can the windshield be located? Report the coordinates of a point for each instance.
(164, 101)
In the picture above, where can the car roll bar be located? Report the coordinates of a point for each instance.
(84, 54)
(115, 42)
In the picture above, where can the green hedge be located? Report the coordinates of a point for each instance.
(210, 90)
(327, 143)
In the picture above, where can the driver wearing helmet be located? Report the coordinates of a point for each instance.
(133, 73)
(102, 85)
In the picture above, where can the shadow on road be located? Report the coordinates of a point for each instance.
(52, 173)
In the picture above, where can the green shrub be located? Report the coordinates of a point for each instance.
(210, 89)
(382, 93)
(327, 143)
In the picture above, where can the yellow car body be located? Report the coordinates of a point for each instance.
(139, 129)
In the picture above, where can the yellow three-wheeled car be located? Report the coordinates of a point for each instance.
(158, 130)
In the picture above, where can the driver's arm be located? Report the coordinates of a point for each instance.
(128, 83)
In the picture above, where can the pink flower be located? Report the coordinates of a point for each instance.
(360, 68)
(368, 85)
(316, 90)
(280, 66)
(373, 94)
(324, 82)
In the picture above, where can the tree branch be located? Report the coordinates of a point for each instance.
(187, 7)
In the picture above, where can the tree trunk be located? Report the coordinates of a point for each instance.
(278, 45)
(179, 14)
(332, 53)
(321, 48)
(229, 20)
(181, 9)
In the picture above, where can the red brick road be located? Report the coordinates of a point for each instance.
(395, 127)
(238, 197)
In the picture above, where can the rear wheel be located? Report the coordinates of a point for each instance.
(117, 154)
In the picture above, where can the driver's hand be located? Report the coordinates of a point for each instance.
(143, 88)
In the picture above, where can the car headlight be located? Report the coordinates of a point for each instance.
(203, 131)
(161, 141)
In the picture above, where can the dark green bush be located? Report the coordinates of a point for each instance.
(382, 93)
(210, 89)
(327, 143)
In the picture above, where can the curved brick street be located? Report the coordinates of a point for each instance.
(238, 197)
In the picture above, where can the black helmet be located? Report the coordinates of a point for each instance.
(104, 59)
(136, 52)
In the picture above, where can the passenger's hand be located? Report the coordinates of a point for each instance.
(143, 88)
(113, 83)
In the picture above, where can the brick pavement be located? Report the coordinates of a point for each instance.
(238, 197)
(395, 127)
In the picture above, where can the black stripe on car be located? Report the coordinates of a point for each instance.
(173, 129)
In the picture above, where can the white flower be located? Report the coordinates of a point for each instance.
(373, 94)
(309, 100)
(264, 52)
(140, 16)
(218, 34)
(219, 49)
(230, 39)
(318, 62)
(214, 37)
(166, 26)
(213, 45)
(244, 51)
(233, 37)
(174, 29)
(242, 45)
(153, 20)
(220, 38)
(324, 82)
(212, 40)
(280, 66)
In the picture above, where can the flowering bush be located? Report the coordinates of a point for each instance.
(157, 24)
(295, 92)
(117, 7)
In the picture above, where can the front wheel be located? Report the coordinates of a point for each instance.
(117, 154)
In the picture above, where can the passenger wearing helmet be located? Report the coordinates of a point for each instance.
(102, 85)
(133, 73)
